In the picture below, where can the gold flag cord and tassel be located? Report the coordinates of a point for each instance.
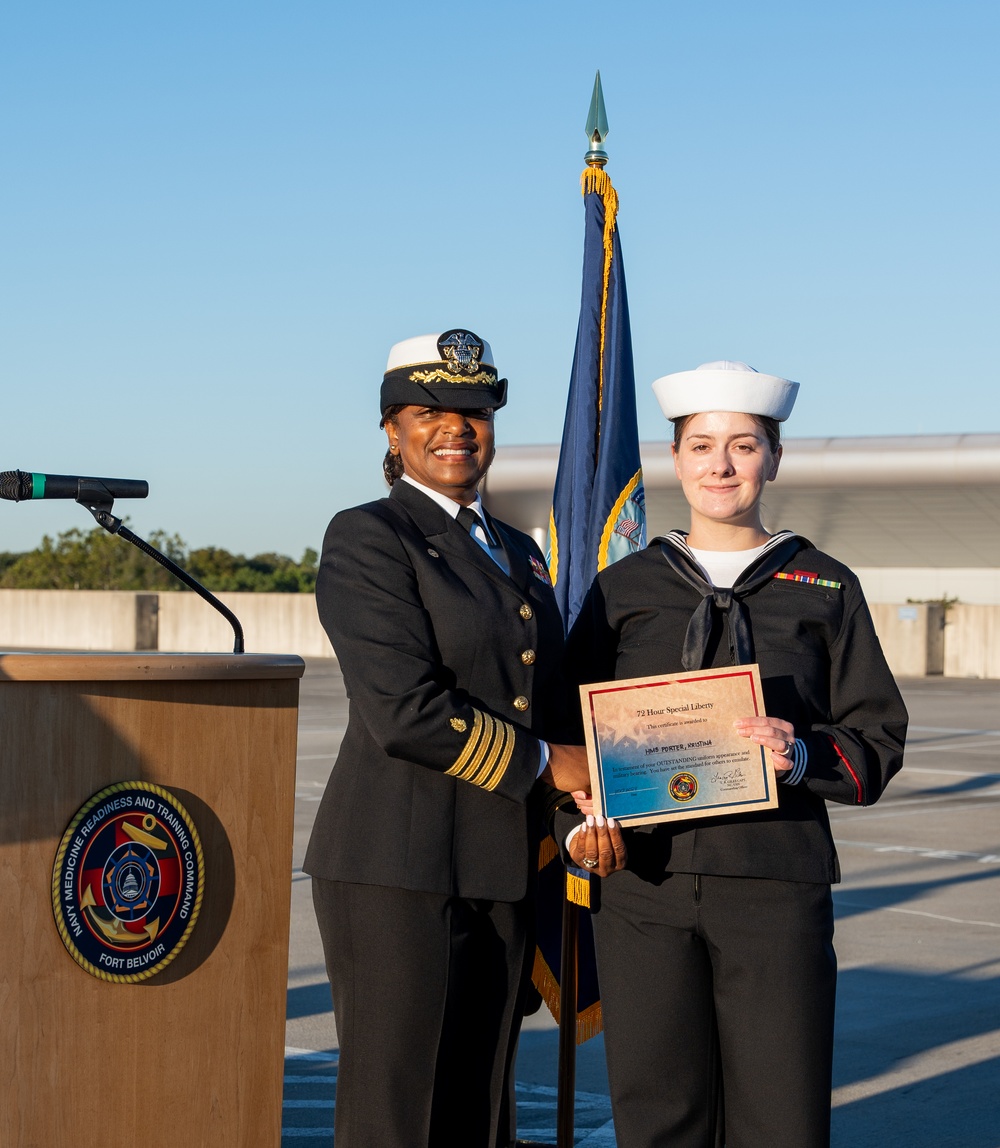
(595, 180)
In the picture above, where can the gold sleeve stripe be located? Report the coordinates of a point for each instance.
(471, 771)
(470, 745)
(487, 752)
(490, 760)
(469, 763)
(505, 757)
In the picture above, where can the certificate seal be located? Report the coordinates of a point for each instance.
(128, 882)
(683, 787)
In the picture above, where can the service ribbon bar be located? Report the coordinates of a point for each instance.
(810, 580)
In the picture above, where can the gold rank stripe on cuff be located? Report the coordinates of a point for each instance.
(553, 800)
(487, 752)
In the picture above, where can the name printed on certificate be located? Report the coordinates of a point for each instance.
(665, 749)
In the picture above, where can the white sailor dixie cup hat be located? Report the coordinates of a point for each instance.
(725, 386)
(452, 369)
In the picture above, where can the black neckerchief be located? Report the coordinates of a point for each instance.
(775, 554)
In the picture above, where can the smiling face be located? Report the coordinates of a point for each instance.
(446, 450)
(723, 461)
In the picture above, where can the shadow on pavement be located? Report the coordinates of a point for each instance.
(887, 1018)
(309, 1000)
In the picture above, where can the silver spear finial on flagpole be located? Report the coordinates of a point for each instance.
(597, 127)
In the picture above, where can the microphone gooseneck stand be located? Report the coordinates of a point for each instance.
(97, 499)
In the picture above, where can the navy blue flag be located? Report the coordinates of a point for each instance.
(598, 508)
(598, 516)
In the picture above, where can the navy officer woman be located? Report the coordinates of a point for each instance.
(422, 856)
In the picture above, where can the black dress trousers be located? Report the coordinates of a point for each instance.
(428, 992)
(700, 972)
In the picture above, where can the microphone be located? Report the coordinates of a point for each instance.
(19, 485)
(98, 495)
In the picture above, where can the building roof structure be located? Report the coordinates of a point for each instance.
(906, 501)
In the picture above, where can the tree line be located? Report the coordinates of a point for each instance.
(95, 560)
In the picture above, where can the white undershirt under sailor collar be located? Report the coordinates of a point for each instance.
(723, 567)
(451, 508)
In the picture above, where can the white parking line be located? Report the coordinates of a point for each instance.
(311, 1054)
(950, 746)
(907, 808)
(925, 851)
(943, 772)
(838, 900)
(951, 729)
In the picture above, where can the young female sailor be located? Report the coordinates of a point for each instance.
(715, 936)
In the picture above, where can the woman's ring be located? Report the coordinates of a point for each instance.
(591, 862)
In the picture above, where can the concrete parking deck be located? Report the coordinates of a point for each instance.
(918, 938)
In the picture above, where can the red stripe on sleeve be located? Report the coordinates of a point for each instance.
(850, 770)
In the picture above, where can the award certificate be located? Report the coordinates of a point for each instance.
(665, 748)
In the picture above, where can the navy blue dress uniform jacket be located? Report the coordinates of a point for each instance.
(453, 671)
(821, 668)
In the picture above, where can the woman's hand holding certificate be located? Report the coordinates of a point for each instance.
(774, 734)
(598, 846)
(684, 745)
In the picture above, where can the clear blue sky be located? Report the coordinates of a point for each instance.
(216, 217)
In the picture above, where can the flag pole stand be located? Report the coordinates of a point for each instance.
(566, 1096)
(598, 481)
(566, 1073)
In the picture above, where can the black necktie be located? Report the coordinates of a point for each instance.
(727, 601)
(470, 520)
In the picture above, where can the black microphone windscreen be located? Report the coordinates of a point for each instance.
(15, 485)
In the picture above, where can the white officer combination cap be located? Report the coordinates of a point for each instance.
(424, 349)
(452, 369)
(725, 385)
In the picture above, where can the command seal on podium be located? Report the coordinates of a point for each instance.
(128, 882)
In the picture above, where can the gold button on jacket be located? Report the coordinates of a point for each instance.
(526, 612)
(521, 703)
(528, 657)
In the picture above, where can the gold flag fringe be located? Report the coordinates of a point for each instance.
(578, 890)
(597, 181)
(588, 1023)
(548, 851)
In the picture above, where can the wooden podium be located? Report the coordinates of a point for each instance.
(193, 1055)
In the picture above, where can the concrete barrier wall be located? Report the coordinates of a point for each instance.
(68, 619)
(272, 624)
(177, 621)
(972, 642)
(912, 638)
(979, 586)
